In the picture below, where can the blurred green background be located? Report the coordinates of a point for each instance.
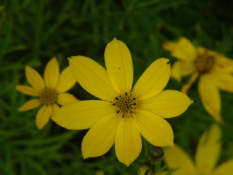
(33, 31)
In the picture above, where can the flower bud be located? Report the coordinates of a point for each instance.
(156, 153)
(146, 169)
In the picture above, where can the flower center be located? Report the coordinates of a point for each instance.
(204, 62)
(126, 105)
(48, 96)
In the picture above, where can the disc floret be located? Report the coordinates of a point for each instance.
(48, 96)
(204, 62)
(126, 105)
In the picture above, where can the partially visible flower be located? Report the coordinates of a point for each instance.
(207, 154)
(214, 71)
(123, 113)
(49, 91)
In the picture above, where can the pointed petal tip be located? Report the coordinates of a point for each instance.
(71, 59)
(220, 120)
(39, 127)
(19, 109)
(170, 143)
(189, 102)
(17, 87)
(168, 45)
(127, 164)
(27, 68)
(84, 156)
(165, 60)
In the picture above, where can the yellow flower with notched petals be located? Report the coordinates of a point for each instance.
(206, 157)
(122, 114)
(214, 71)
(49, 91)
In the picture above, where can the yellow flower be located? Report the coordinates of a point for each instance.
(122, 114)
(207, 154)
(49, 91)
(214, 71)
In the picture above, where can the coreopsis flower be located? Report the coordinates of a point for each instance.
(207, 154)
(122, 114)
(49, 92)
(213, 69)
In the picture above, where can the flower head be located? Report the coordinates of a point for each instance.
(207, 154)
(122, 114)
(49, 91)
(213, 69)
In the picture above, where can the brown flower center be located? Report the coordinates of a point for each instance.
(126, 105)
(204, 62)
(48, 96)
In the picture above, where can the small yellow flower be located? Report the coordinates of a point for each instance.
(214, 71)
(207, 154)
(122, 115)
(49, 91)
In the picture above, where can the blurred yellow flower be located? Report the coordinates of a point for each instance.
(207, 154)
(122, 115)
(49, 91)
(214, 71)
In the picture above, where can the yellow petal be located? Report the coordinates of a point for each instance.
(153, 80)
(66, 81)
(54, 108)
(210, 96)
(34, 78)
(224, 169)
(177, 159)
(155, 129)
(51, 73)
(128, 141)
(31, 104)
(176, 71)
(82, 114)
(182, 68)
(100, 138)
(168, 103)
(182, 49)
(28, 90)
(92, 77)
(66, 98)
(119, 65)
(223, 80)
(43, 116)
(223, 63)
(187, 67)
(208, 150)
